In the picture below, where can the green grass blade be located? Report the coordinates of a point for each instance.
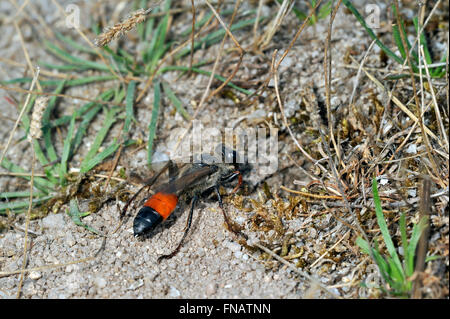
(92, 109)
(17, 194)
(75, 215)
(40, 183)
(140, 28)
(66, 150)
(414, 240)
(82, 128)
(65, 56)
(383, 227)
(75, 82)
(402, 225)
(423, 41)
(361, 20)
(22, 204)
(324, 10)
(159, 47)
(216, 36)
(396, 275)
(175, 101)
(129, 106)
(99, 158)
(46, 127)
(110, 119)
(364, 245)
(64, 67)
(431, 258)
(74, 44)
(398, 40)
(153, 121)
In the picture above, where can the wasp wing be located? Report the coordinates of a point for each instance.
(189, 179)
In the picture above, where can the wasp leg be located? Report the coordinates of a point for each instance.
(239, 182)
(173, 171)
(188, 225)
(147, 183)
(231, 226)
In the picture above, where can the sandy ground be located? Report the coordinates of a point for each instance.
(211, 263)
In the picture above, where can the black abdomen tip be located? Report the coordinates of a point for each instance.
(146, 219)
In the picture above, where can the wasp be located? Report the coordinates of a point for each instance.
(198, 180)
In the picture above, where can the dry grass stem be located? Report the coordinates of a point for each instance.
(49, 94)
(295, 269)
(25, 52)
(327, 75)
(435, 103)
(424, 212)
(89, 42)
(167, 57)
(280, 104)
(396, 100)
(19, 118)
(284, 9)
(205, 96)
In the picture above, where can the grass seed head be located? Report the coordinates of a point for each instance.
(36, 117)
(111, 33)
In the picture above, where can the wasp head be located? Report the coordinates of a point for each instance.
(230, 156)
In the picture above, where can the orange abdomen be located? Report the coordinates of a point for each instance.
(163, 203)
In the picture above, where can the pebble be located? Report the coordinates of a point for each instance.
(136, 285)
(100, 282)
(234, 247)
(238, 254)
(174, 293)
(53, 221)
(211, 289)
(34, 275)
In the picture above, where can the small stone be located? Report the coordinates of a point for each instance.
(211, 289)
(238, 254)
(234, 247)
(174, 293)
(34, 275)
(55, 221)
(100, 282)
